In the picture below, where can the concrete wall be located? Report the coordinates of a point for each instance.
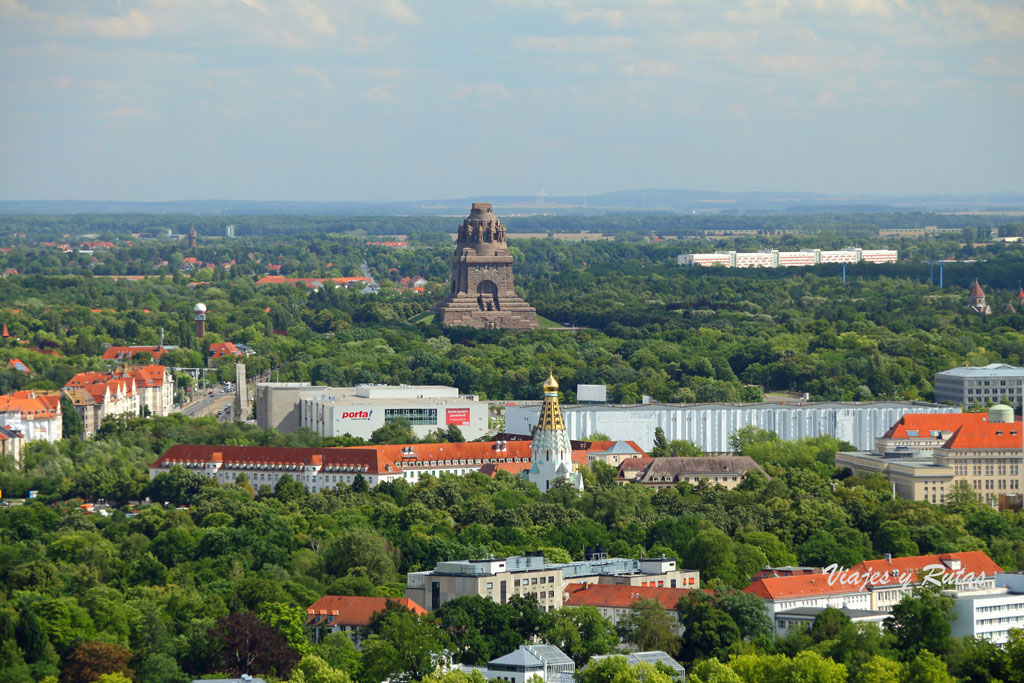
(710, 425)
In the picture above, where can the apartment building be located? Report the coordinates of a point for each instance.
(617, 602)
(34, 414)
(348, 614)
(969, 386)
(501, 578)
(989, 614)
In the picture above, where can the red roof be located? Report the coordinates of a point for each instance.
(975, 561)
(515, 457)
(927, 423)
(310, 281)
(149, 376)
(874, 573)
(352, 610)
(17, 364)
(985, 435)
(976, 290)
(126, 352)
(5, 333)
(795, 586)
(219, 350)
(635, 463)
(607, 595)
(30, 405)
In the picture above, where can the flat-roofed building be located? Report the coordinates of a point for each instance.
(969, 386)
(913, 477)
(991, 613)
(501, 578)
(803, 617)
(360, 410)
(710, 425)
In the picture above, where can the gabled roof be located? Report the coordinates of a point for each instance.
(797, 586)
(126, 352)
(17, 364)
(986, 435)
(608, 595)
(975, 561)
(635, 464)
(221, 349)
(352, 610)
(671, 469)
(369, 459)
(615, 448)
(920, 425)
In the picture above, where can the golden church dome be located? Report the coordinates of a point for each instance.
(550, 384)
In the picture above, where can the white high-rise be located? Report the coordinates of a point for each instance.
(551, 452)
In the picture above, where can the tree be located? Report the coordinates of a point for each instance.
(660, 448)
(828, 624)
(91, 659)
(242, 644)
(30, 636)
(581, 633)
(158, 667)
(649, 626)
(707, 630)
(880, 669)
(921, 622)
(927, 668)
(359, 484)
(290, 621)
(313, 669)
(748, 612)
(402, 646)
(684, 449)
(619, 670)
(72, 426)
(395, 432)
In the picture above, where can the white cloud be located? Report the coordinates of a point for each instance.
(567, 44)
(648, 69)
(133, 25)
(827, 99)
(305, 71)
(398, 11)
(380, 94)
(611, 17)
(314, 17)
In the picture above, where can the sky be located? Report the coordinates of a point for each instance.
(375, 100)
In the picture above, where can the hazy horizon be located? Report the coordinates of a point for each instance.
(389, 100)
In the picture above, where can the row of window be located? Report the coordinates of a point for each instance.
(415, 416)
(999, 608)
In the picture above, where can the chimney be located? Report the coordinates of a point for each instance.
(888, 558)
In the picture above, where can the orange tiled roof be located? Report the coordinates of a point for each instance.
(19, 365)
(219, 350)
(29, 405)
(369, 459)
(607, 595)
(126, 352)
(932, 424)
(352, 610)
(994, 435)
(778, 588)
(282, 280)
(149, 376)
(975, 561)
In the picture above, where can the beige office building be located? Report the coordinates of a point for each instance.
(501, 578)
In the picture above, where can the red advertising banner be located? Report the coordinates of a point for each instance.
(457, 416)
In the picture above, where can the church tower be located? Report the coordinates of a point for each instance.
(551, 452)
(481, 292)
(976, 300)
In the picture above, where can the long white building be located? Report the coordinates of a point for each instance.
(787, 259)
(359, 410)
(711, 425)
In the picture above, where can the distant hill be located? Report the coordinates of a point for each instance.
(648, 201)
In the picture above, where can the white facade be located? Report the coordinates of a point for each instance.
(336, 417)
(359, 410)
(711, 425)
(989, 614)
(776, 259)
(32, 427)
(973, 385)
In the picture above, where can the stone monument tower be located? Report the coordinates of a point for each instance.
(481, 293)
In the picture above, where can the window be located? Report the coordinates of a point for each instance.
(415, 416)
